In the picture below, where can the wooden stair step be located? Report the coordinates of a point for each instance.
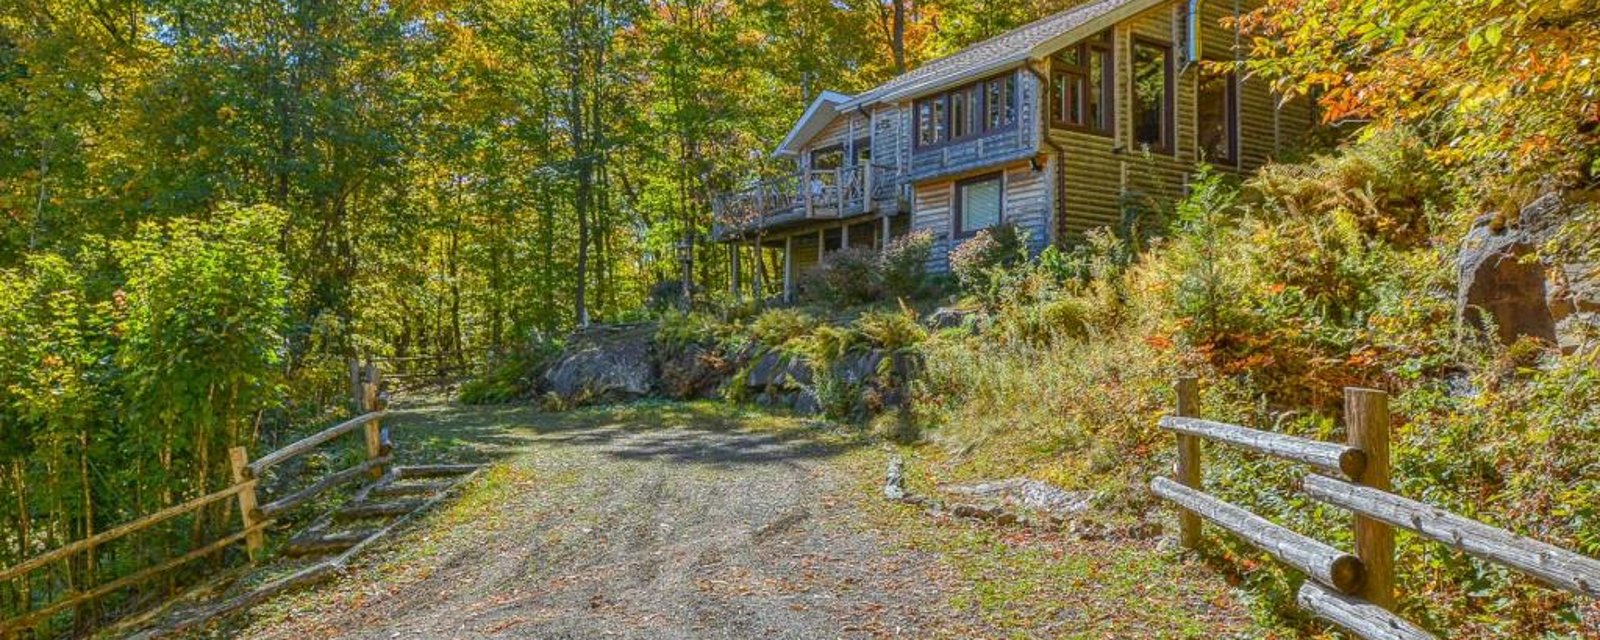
(323, 544)
(377, 510)
(435, 471)
(409, 489)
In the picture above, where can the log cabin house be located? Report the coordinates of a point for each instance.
(1052, 127)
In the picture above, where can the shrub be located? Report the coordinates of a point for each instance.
(674, 331)
(976, 261)
(904, 264)
(892, 331)
(1386, 182)
(1044, 323)
(845, 277)
(511, 376)
(778, 327)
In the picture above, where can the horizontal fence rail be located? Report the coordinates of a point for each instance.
(123, 530)
(1363, 604)
(254, 519)
(1556, 566)
(1362, 618)
(1326, 564)
(1327, 456)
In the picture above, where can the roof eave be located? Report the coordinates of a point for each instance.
(1037, 52)
(791, 143)
(940, 84)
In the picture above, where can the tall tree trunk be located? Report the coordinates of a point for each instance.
(898, 41)
(455, 280)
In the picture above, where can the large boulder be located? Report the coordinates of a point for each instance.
(1502, 283)
(605, 363)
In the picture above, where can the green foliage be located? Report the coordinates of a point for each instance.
(777, 328)
(513, 376)
(129, 370)
(844, 278)
(891, 331)
(980, 262)
(200, 332)
(905, 264)
(1387, 183)
(674, 331)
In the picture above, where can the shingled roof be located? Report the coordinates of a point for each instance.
(1007, 50)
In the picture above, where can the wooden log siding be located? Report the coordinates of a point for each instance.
(1323, 563)
(1561, 568)
(1362, 618)
(1334, 458)
(309, 443)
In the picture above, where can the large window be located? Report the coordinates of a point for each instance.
(1079, 96)
(963, 112)
(1152, 95)
(981, 108)
(1218, 117)
(1000, 104)
(977, 204)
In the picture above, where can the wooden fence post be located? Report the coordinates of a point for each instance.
(374, 437)
(249, 515)
(1188, 471)
(1367, 421)
(374, 430)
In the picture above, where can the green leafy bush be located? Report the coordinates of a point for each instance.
(512, 376)
(845, 277)
(892, 331)
(778, 327)
(979, 262)
(905, 264)
(1386, 183)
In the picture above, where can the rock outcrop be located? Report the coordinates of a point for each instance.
(1501, 283)
(605, 363)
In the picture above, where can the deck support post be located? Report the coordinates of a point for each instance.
(733, 270)
(1366, 414)
(249, 515)
(758, 278)
(788, 268)
(1188, 471)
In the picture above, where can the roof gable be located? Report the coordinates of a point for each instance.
(821, 112)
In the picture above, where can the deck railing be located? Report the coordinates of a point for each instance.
(1353, 590)
(815, 194)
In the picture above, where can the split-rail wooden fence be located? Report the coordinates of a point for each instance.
(1353, 590)
(255, 518)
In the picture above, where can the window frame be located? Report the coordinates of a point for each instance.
(977, 116)
(1230, 117)
(838, 147)
(1098, 45)
(957, 213)
(1169, 122)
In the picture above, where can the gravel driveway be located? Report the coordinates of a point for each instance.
(657, 523)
